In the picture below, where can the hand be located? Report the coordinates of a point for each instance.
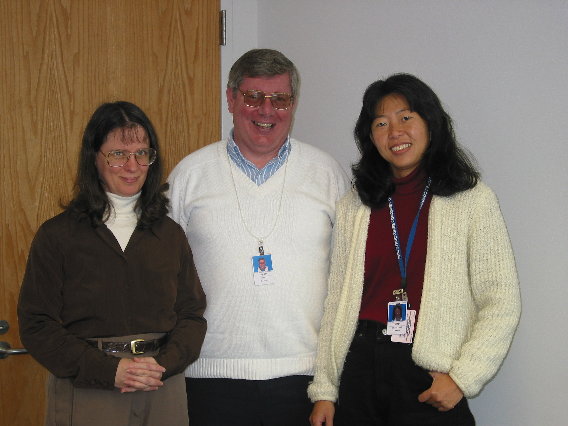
(444, 394)
(135, 374)
(322, 413)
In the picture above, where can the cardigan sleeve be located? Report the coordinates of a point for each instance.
(341, 305)
(495, 291)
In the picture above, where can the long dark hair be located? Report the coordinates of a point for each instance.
(449, 167)
(90, 199)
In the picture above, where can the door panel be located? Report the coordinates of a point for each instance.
(59, 59)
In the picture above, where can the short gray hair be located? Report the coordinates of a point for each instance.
(263, 63)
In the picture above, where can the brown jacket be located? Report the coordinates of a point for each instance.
(80, 284)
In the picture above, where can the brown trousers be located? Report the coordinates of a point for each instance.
(71, 406)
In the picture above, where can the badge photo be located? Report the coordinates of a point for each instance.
(397, 317)
(262, 270)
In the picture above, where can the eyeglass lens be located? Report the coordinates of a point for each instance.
(255, 98)
(144, 157)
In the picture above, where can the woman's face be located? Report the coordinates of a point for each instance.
(397, 312)
(128, 179)
(401, 136)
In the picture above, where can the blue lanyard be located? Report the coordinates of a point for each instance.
(403, 263)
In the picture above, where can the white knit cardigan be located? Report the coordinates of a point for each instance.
(470, 303)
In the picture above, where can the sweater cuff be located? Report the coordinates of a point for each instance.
(322, 392)
(468, 385)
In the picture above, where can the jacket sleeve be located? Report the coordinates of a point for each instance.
(185, 340)
(495, 291)
(41, 326)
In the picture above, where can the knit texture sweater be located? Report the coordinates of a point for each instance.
(258, 332)
(470, 304)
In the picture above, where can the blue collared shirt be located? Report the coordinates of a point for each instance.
(258, 176)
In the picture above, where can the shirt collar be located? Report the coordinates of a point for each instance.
(241, 161)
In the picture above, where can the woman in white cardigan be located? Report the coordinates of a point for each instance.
(419, 230)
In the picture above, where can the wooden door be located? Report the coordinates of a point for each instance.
(59, 59)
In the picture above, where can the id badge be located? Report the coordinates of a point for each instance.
(262, 270)
(409, 335)
(397, 318)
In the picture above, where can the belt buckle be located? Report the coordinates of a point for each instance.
(133, 346)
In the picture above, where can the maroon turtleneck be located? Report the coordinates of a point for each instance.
(382, 273)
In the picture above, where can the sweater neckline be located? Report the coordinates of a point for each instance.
(270, 186)
(260, 238)
(123, 208)
(414, 183)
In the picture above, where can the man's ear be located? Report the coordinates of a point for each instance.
(231, 98)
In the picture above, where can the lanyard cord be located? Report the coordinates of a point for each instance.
(260, 239)
(403, 263)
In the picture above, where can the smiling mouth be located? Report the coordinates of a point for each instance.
(400, 147)
(263, 125)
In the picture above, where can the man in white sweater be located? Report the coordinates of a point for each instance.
(258, 193)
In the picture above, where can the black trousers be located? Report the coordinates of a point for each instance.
(232, 402)
(380, 385)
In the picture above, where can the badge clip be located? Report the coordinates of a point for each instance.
(400, 295)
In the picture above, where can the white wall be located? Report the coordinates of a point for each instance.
(501, 69)
(242, 35)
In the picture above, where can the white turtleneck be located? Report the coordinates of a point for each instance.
(123, 218)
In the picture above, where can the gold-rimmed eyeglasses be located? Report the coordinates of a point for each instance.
(119, 157)
(255, 98)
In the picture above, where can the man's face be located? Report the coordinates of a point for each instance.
(259, 132)
(261, 264)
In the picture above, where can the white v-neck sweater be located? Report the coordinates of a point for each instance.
(258, 332)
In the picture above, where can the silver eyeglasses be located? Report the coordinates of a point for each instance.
(119, 157)
(255, 98)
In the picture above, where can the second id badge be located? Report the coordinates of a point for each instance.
(409, 335)
(397, 317)
(263, 273)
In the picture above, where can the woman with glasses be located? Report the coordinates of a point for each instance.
(110, 302)
(419, 231)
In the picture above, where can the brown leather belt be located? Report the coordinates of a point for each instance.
(135, 347)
